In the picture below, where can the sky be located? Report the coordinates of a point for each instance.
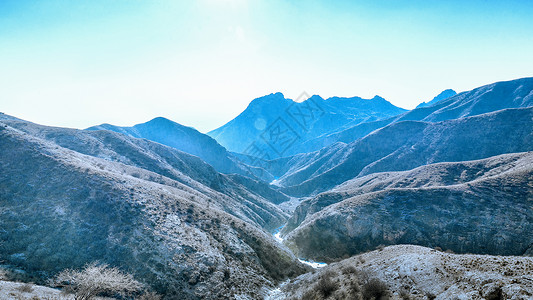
(81, 63)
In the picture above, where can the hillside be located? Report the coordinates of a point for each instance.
(63, 209)
(413, 272)
(165, 162)
(188, 140)
(250, 131)
(409, 144)
(478, 206)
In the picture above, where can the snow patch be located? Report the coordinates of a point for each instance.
(277, 234)
(313, 264)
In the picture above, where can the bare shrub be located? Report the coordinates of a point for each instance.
(326, 286)
(25, 288)
(97, 279)
(349, 270)
(375, 289)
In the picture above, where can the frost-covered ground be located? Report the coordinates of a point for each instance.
(23, 291)
(28, 291)
(420, 273)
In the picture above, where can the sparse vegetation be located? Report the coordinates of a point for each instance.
(375, 289)
(97, 279)
(349, 270)
(25, 288)
(326, 285)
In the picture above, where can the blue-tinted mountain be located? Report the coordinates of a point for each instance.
(496, 96)
(186, 139)
(70, 197)
(274, 126)
(480, 206)
(406, 145)
(442, 96)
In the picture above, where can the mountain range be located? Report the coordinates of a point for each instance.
(492, 97)
(165, 216)
(186, 139)
(273, 126)
(235, 213)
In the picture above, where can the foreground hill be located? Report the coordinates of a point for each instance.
(406, 145)
(413, 272)
(489, 98)
(481, 206)
(300, 121)
(62, 209)
(188, 140)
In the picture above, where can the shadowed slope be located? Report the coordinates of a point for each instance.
(62, 209)
(474, 207)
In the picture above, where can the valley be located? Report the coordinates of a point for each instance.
(371, 201)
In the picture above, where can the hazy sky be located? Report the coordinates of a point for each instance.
(81, 63)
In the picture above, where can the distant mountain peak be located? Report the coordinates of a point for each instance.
(442, 96)
(378, 97)
(312, 98)
(301, 120)
(160, 119)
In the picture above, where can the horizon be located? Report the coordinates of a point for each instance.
(200, 63)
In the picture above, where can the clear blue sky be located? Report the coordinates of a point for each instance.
(80, 63)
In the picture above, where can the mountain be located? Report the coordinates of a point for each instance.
(413, 272)
(496, 96)
(164, 161)
(480, 206)
(273, 126)
(129, 203)
(442, 96)
(406, 145)
(186, 139)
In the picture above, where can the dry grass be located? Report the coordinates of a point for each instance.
(95, 279)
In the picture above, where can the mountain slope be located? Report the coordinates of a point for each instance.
(409, 144)
(417, 273)
(478, 206)
(166, 162)
(62, 209)
(500, 95)
(185, 139)
(251, 131)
